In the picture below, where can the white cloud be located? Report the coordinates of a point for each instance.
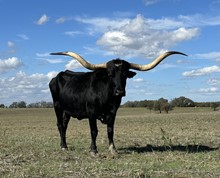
(183, 34)
(150, 2)
(46, 54)
(199, 20)
(51, 74)
(208, 90)
(138, 38)
(12, 47)
(63, 19)
(214, 82)
(42, 20)
(138, 80)
(45, 57)
(73, 64)
(212, 55)
(53, 61)
(73, 33)
(10, 44)
(9, 64)
(23, 36)
(107, 24)
(164, 23)
(202, 71)
(102, 24)
(29, 88)
(113, 38)
(167, 66)
(60, 20)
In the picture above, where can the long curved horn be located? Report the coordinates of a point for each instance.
(81, 60)
(155, 62)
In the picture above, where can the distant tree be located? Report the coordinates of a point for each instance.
(20, 104)
(202, 104)
(214, 106)
(42, 104)
(142, 103)
(162, 105)
(13, 105)
(182, 102)
(130, 104)
(150, 105)
(162, 100)
(167, 107)
(157, 106)
(2, 106)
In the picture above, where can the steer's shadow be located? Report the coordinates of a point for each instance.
(151, 148)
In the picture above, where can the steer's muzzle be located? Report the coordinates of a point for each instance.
(120, 93)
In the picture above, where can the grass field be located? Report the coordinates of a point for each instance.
(183, 143)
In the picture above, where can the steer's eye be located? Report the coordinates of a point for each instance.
(124, 74)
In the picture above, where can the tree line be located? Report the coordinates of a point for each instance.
(158, 105)
(164, 105)
(23, 104)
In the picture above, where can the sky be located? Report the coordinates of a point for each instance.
(137, 31)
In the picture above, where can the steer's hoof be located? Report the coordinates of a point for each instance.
(113, 150)
(64, 149)
(94, 153)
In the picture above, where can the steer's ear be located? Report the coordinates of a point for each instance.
(131, 74)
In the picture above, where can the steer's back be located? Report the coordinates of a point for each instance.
(68, 84)
(77, 94)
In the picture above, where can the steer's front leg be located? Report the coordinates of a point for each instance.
(94, 133)
(110, 132)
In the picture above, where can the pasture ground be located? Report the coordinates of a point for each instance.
(183, 143)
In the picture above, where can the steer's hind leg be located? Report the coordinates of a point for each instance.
(62, 122)
(94, 133)
(66, 119)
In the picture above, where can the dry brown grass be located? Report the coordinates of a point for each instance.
(179, 144)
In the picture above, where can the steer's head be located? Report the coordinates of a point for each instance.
(118, 70)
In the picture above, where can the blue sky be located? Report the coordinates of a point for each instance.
(137, 31)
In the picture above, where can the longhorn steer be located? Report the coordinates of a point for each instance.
(94, 95)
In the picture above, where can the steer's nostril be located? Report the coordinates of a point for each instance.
(120, 93)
